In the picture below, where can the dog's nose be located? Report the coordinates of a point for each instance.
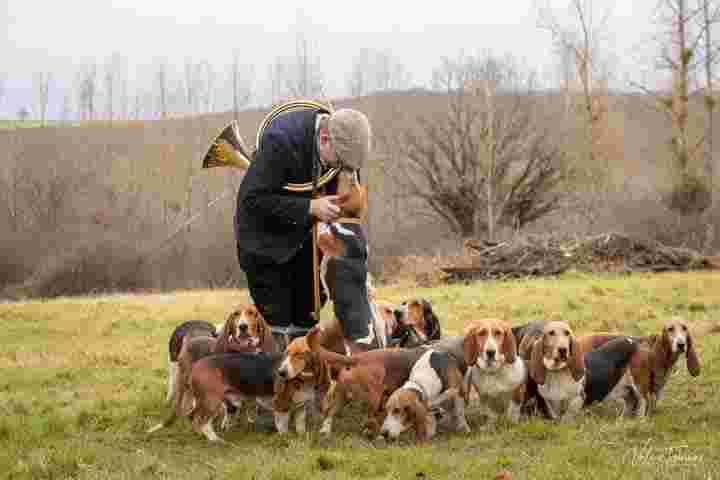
(282, 373)
(243, 328)
(681, 347)
(490, 354)
(385, 434)
(397, 314)
(563, 352)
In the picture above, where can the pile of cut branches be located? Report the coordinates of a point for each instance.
(547, 255)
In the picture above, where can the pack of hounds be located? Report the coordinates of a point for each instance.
(419, 382)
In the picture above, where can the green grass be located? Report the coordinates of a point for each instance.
(15, 124)
(81, 379)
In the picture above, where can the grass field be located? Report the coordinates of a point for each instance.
(15, 124)
(81, 379)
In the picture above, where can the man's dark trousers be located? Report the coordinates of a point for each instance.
(284, 293)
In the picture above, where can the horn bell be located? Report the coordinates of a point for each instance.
(228, 150)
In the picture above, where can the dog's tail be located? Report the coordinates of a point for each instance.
(335, 359)
(181, 391)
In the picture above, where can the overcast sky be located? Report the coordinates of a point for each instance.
(62, 36)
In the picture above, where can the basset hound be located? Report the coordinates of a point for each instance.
(188, 329)
(434, 379)
(244, 330)
(247, 327)
(608, 376)
(416, 324)
(344, 268)
(556, 366)
(655, 360)
(234, 377)
(302, 377)
(496, 371)
(370, 376)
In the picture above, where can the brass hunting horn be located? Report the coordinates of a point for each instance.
(229, 150)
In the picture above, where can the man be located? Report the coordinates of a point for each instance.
(273, 226)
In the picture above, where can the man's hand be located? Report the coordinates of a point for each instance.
(325, 209)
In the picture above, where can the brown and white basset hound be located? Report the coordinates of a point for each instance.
(496, 371)
(369, 376)
(655, 359)
(245, 325)
(302, 377)
(556, 366)
(434, 380)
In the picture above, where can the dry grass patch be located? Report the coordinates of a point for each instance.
(82, 378)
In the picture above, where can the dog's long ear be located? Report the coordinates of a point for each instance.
(471, 348)
(577, 359)
(693, 362)
(418, 412)
(509, 344)
(221, 346)
(313, 338)
(264, 332)
(432, 323)
(536, 366)
(662, 352)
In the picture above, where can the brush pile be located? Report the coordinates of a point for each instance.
(546, 256)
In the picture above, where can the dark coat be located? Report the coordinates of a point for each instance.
(271, 224)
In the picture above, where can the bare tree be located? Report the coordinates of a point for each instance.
(190, 81)
(161, 83)
(484, 161)
(66, 111)
(299, 75)
(42, 94)
(710, 17)
(578, 42)
(578, 34)
(87, 92)
(207, 92)
(685, 48)
(3, 81)
(114, 78)
(375, 71)
(241, 79)
(23, 114)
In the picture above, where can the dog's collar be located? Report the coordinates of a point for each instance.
(349, 220)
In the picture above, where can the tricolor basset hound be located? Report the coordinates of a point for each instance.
(417, 324)
(556, 366)
(369, 376)
(344, 269)
(233, 377)
(244, 330)
(608, 376)
(655, 359)
(497, 373)
(434, 379)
